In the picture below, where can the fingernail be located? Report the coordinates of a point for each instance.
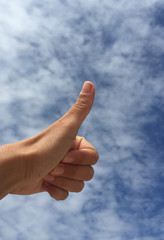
(58, 170)
(69, 159)
(87, 87)
(50, 178)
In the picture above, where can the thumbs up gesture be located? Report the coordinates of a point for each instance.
(56, 160)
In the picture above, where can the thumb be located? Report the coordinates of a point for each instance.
(57, 139)
(79, 111)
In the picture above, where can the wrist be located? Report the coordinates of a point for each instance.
(10, 176)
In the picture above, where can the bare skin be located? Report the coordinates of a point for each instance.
(56, 160)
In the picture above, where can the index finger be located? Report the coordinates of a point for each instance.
(81, 157)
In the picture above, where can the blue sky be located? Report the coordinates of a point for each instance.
(48, 49)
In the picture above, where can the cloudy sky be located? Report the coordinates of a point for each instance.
(48, 48)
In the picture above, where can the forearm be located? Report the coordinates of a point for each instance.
(9, 176)
(5, 180)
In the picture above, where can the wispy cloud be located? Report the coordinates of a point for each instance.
(48, 49)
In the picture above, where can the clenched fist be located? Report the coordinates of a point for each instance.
(55, 160)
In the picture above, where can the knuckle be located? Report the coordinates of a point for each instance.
(80, 187)
(83, 103)
(95, 158)
(65, 196)
(90, 173)
(62, 196)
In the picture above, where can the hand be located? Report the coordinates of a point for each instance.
(69, 175)
(36, 160)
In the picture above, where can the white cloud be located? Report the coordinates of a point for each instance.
(48, 48)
